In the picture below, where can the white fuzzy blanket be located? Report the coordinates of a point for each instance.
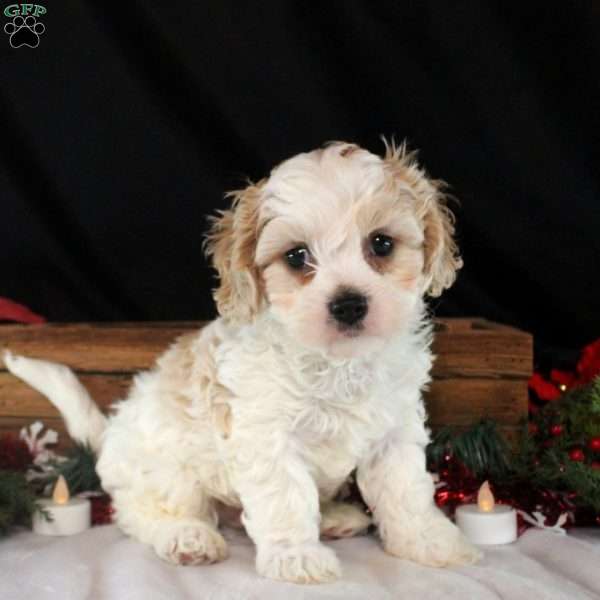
(104, 564)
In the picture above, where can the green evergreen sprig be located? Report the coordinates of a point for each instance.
(541, 459)
(17, 501)
(481, 449)
(79, 470)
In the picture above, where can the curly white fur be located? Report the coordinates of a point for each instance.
(269, 408)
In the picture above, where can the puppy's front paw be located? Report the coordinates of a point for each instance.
(306, 563)
(433, 541)
(190, 543)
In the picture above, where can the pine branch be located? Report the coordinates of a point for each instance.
(79, 470)
(17, 501)
(481, 449)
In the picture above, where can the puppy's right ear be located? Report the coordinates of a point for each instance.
(231, 242)
(441, 255)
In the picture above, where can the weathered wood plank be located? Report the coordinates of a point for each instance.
(464, 347)
(465, 401)
(19, 400)
(449, 401)
(481, 369)
(479, 348)
(120, 347)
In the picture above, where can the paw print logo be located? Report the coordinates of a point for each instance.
(24, 31)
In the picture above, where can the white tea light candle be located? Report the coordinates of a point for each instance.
(69, 515)
(486, 522)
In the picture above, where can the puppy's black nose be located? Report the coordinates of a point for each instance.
(349, 308)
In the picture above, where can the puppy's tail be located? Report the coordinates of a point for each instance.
(85, 423)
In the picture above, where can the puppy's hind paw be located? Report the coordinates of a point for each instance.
(190, 543)
(305, 563)
(343, 520)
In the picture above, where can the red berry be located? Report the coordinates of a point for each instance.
(576, 454)
(556, 429)
(594, 444)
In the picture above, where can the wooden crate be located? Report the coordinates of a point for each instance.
(481, 368)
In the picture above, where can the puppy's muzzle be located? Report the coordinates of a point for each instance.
(349, 308)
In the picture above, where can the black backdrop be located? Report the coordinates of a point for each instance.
(129, 121)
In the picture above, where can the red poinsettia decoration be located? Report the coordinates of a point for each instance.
(12, 311)
(544, 390)
(588, 366)
(586, 370)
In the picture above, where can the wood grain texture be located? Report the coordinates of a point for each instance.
(464, 401)
(464, 347)
(479, 348)
(19, 400)
(93, 347)
(450, 401)
(481, 368)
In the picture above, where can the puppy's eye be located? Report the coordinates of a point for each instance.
(382, 245)
(297, 257)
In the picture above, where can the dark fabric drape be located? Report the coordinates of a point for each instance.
(129, 121)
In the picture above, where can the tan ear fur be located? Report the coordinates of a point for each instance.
(442, 259)
(231, 242)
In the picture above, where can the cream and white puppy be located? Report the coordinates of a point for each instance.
(314, 368)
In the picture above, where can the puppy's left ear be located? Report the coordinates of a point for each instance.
(441, 257)
(231, 242)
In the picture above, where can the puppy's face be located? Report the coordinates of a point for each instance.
(339, 244)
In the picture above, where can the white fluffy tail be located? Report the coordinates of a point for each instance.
(84, 420)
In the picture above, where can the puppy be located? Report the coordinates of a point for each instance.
(314, 368)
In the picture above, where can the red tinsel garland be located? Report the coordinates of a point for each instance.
(102, 510)
(457, 485)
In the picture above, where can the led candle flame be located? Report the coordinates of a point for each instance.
(61, 491)
(61, 514)
(485, 498)
(486, 522)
